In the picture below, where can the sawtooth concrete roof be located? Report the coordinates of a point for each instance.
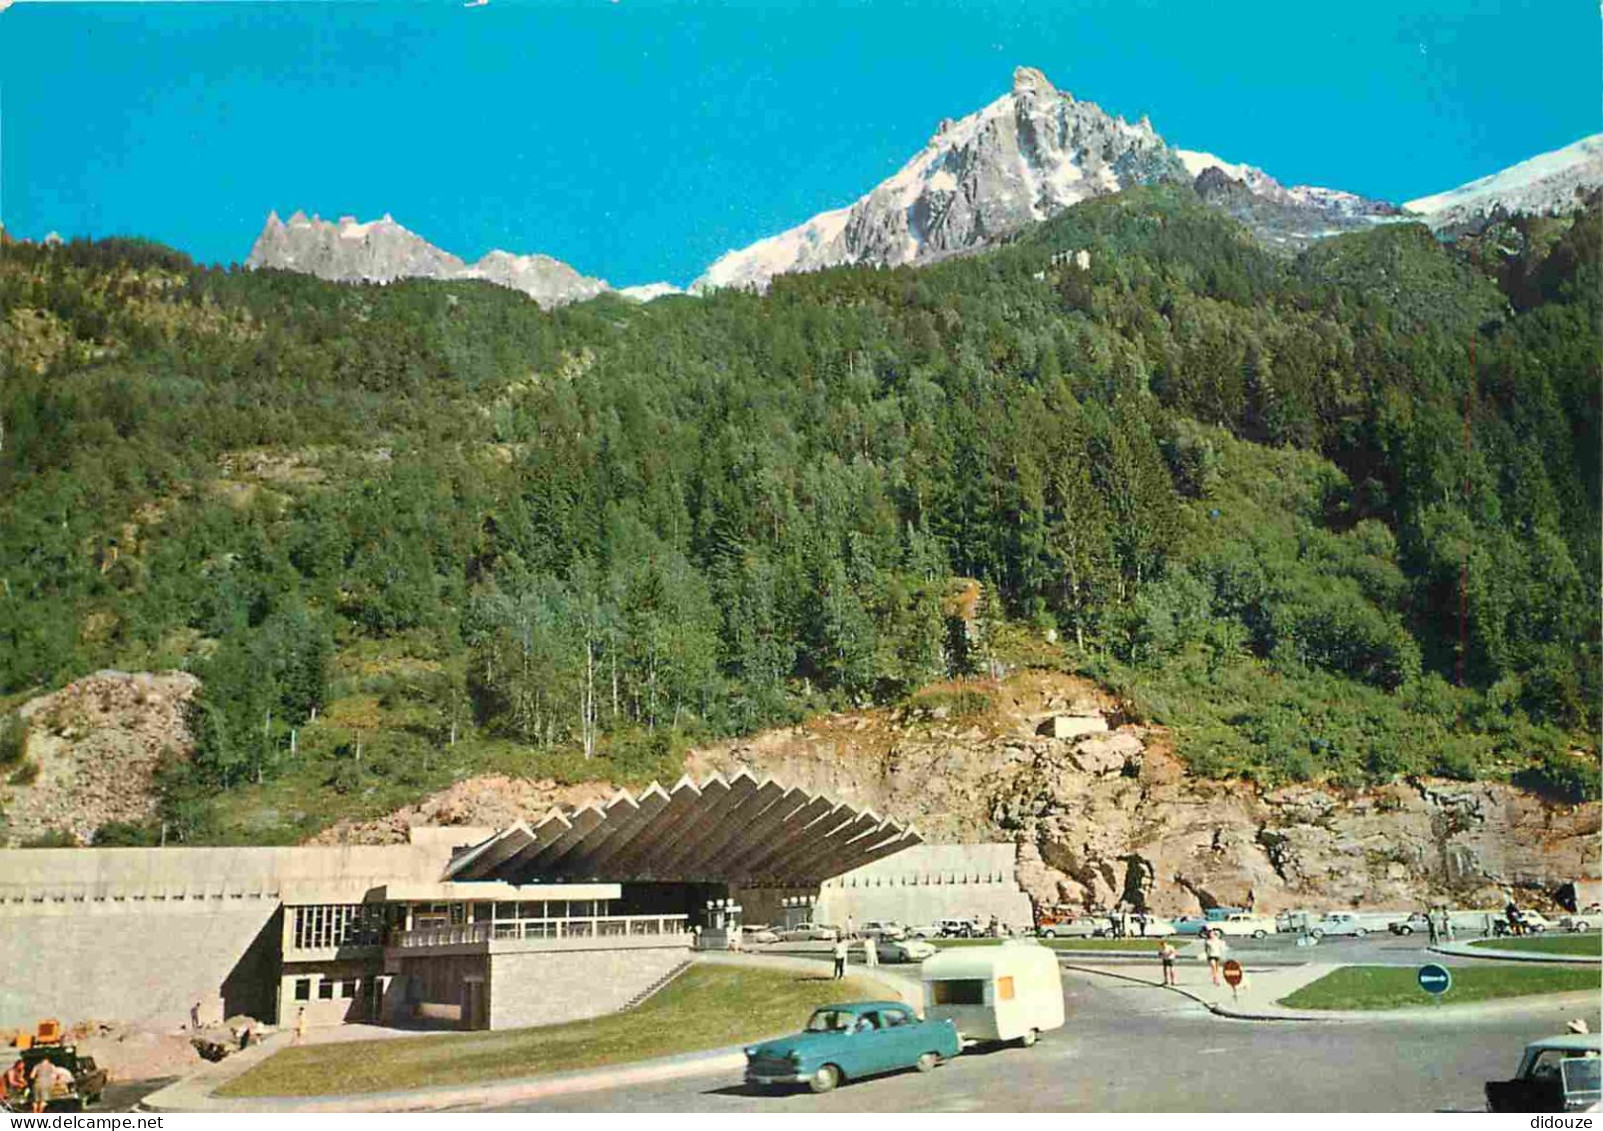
(724, 830)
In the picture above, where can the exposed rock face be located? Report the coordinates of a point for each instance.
(1026, 156)
(382, 251)
(1105, 818)
(1542, 185)
(97, 744)
(493, 802)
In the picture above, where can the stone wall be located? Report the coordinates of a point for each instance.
(544, 988)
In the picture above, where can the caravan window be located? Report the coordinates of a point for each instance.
(959, 991)
(1004, 988)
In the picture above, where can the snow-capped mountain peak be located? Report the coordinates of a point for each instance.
(1025, 156)
(1545, 183)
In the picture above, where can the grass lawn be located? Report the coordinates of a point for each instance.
(1075, 944)
(1394, 987)
(1587, 945)
(706, 1007)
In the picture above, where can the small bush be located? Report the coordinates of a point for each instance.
(25, 774)
(124, 834)
(13, 739)
(52, 838)
(960, 703)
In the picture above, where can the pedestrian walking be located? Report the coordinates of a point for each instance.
(300, 1025)
(1431, 920)
(1447, 925)
(1213, 949)
(1512, 913)
(42, 1082)
(840, 957)
(1167, 954)
(870, 952)
(194, 1016)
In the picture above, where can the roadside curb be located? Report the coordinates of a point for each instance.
(1563, 1002)
(1239, 1014)
(193, 1099)
(197, 1092)
(1464, 950)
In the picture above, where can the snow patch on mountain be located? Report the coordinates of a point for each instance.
(1543, 184)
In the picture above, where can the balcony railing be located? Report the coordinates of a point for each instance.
(612, 926)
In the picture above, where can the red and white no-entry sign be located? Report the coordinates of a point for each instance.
(1233, 973)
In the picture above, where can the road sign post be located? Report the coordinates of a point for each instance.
(1233, 975)
(1435, 979)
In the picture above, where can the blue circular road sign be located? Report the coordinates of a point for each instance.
(1435, 979)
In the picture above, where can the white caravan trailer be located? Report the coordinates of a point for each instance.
(1013, 991)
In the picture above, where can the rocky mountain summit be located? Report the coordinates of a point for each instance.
(1025, 157)
(1545, 184)
(381, 251)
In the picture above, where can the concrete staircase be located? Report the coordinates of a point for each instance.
(645, 994)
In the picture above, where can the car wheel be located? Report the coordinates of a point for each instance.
(927, 1062)
(1583, 925)
(1028, 1039)
(825, 1079)
(1360, 933)
(1317, 933)
(1260, 934)
(1405, 929)
(1053, 934)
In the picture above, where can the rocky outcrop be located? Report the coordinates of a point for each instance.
(488, 802)
(381, 251)
(1112, 816)
(1026, 156)
(93, 749)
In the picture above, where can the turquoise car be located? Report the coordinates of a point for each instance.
(850, 1041)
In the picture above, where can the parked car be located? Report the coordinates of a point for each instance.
(1555, 1074)
(1189, 924)
(1583, 920)
(1340, 923)
(809, 932)
(963, 928)
(923, 931)
(1012, 992)
(903, 950)
(850, 1041)
(1242, 924)
(1081, 927)
(883, 929)
(1150, 927)
(755, 934)
(1535, 921)
(1418, 921)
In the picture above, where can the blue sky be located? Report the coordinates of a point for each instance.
(640, 139)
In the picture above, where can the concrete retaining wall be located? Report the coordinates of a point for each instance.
(547, 988)
(929, 882)
(144, 961)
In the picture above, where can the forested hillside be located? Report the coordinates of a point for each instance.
(411, 532)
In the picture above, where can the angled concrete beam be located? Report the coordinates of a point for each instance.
(796, 836)
(679, 860)
(878, 850)
(515, 868)
(615, 815)
(803, 862)
(754, 848)
(599, 861)
(582, 824)
(482, 858)
(763, 810)
(682, 801)
(713, 794)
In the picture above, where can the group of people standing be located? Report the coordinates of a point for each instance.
(39, 1084)
(843, 950)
